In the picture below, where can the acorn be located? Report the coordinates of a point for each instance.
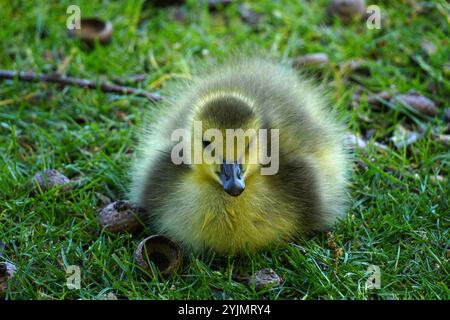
(7, 271)
(92, 30)
(164, 253)
(121, 216)
(264, 278)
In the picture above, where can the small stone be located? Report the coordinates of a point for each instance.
(52, 178)
(120, 216)
(264, 278)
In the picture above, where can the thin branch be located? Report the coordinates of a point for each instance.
(83, 83)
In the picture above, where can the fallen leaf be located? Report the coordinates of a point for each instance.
(418, 102)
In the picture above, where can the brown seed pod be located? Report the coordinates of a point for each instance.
(264, 278)
(52, 178)
(164, 253)
(7, 271)
(310, 60)
(121, 216)
(419, 103)
(346, 10)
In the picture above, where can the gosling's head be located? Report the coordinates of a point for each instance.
(225, 131)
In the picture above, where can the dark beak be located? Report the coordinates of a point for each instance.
(232, 179)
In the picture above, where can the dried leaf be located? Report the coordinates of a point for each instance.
(309, 60)
(419, 103)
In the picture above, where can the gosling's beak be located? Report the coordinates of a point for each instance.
(232, 179)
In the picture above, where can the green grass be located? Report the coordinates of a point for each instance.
(399, 213)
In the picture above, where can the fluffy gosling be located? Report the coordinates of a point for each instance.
(230, 206)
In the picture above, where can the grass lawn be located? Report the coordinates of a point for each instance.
(398, 218)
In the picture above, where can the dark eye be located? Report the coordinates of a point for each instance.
(206, 143)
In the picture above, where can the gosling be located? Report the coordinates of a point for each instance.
(231, 205)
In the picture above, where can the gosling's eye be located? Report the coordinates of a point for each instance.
(206, 143)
